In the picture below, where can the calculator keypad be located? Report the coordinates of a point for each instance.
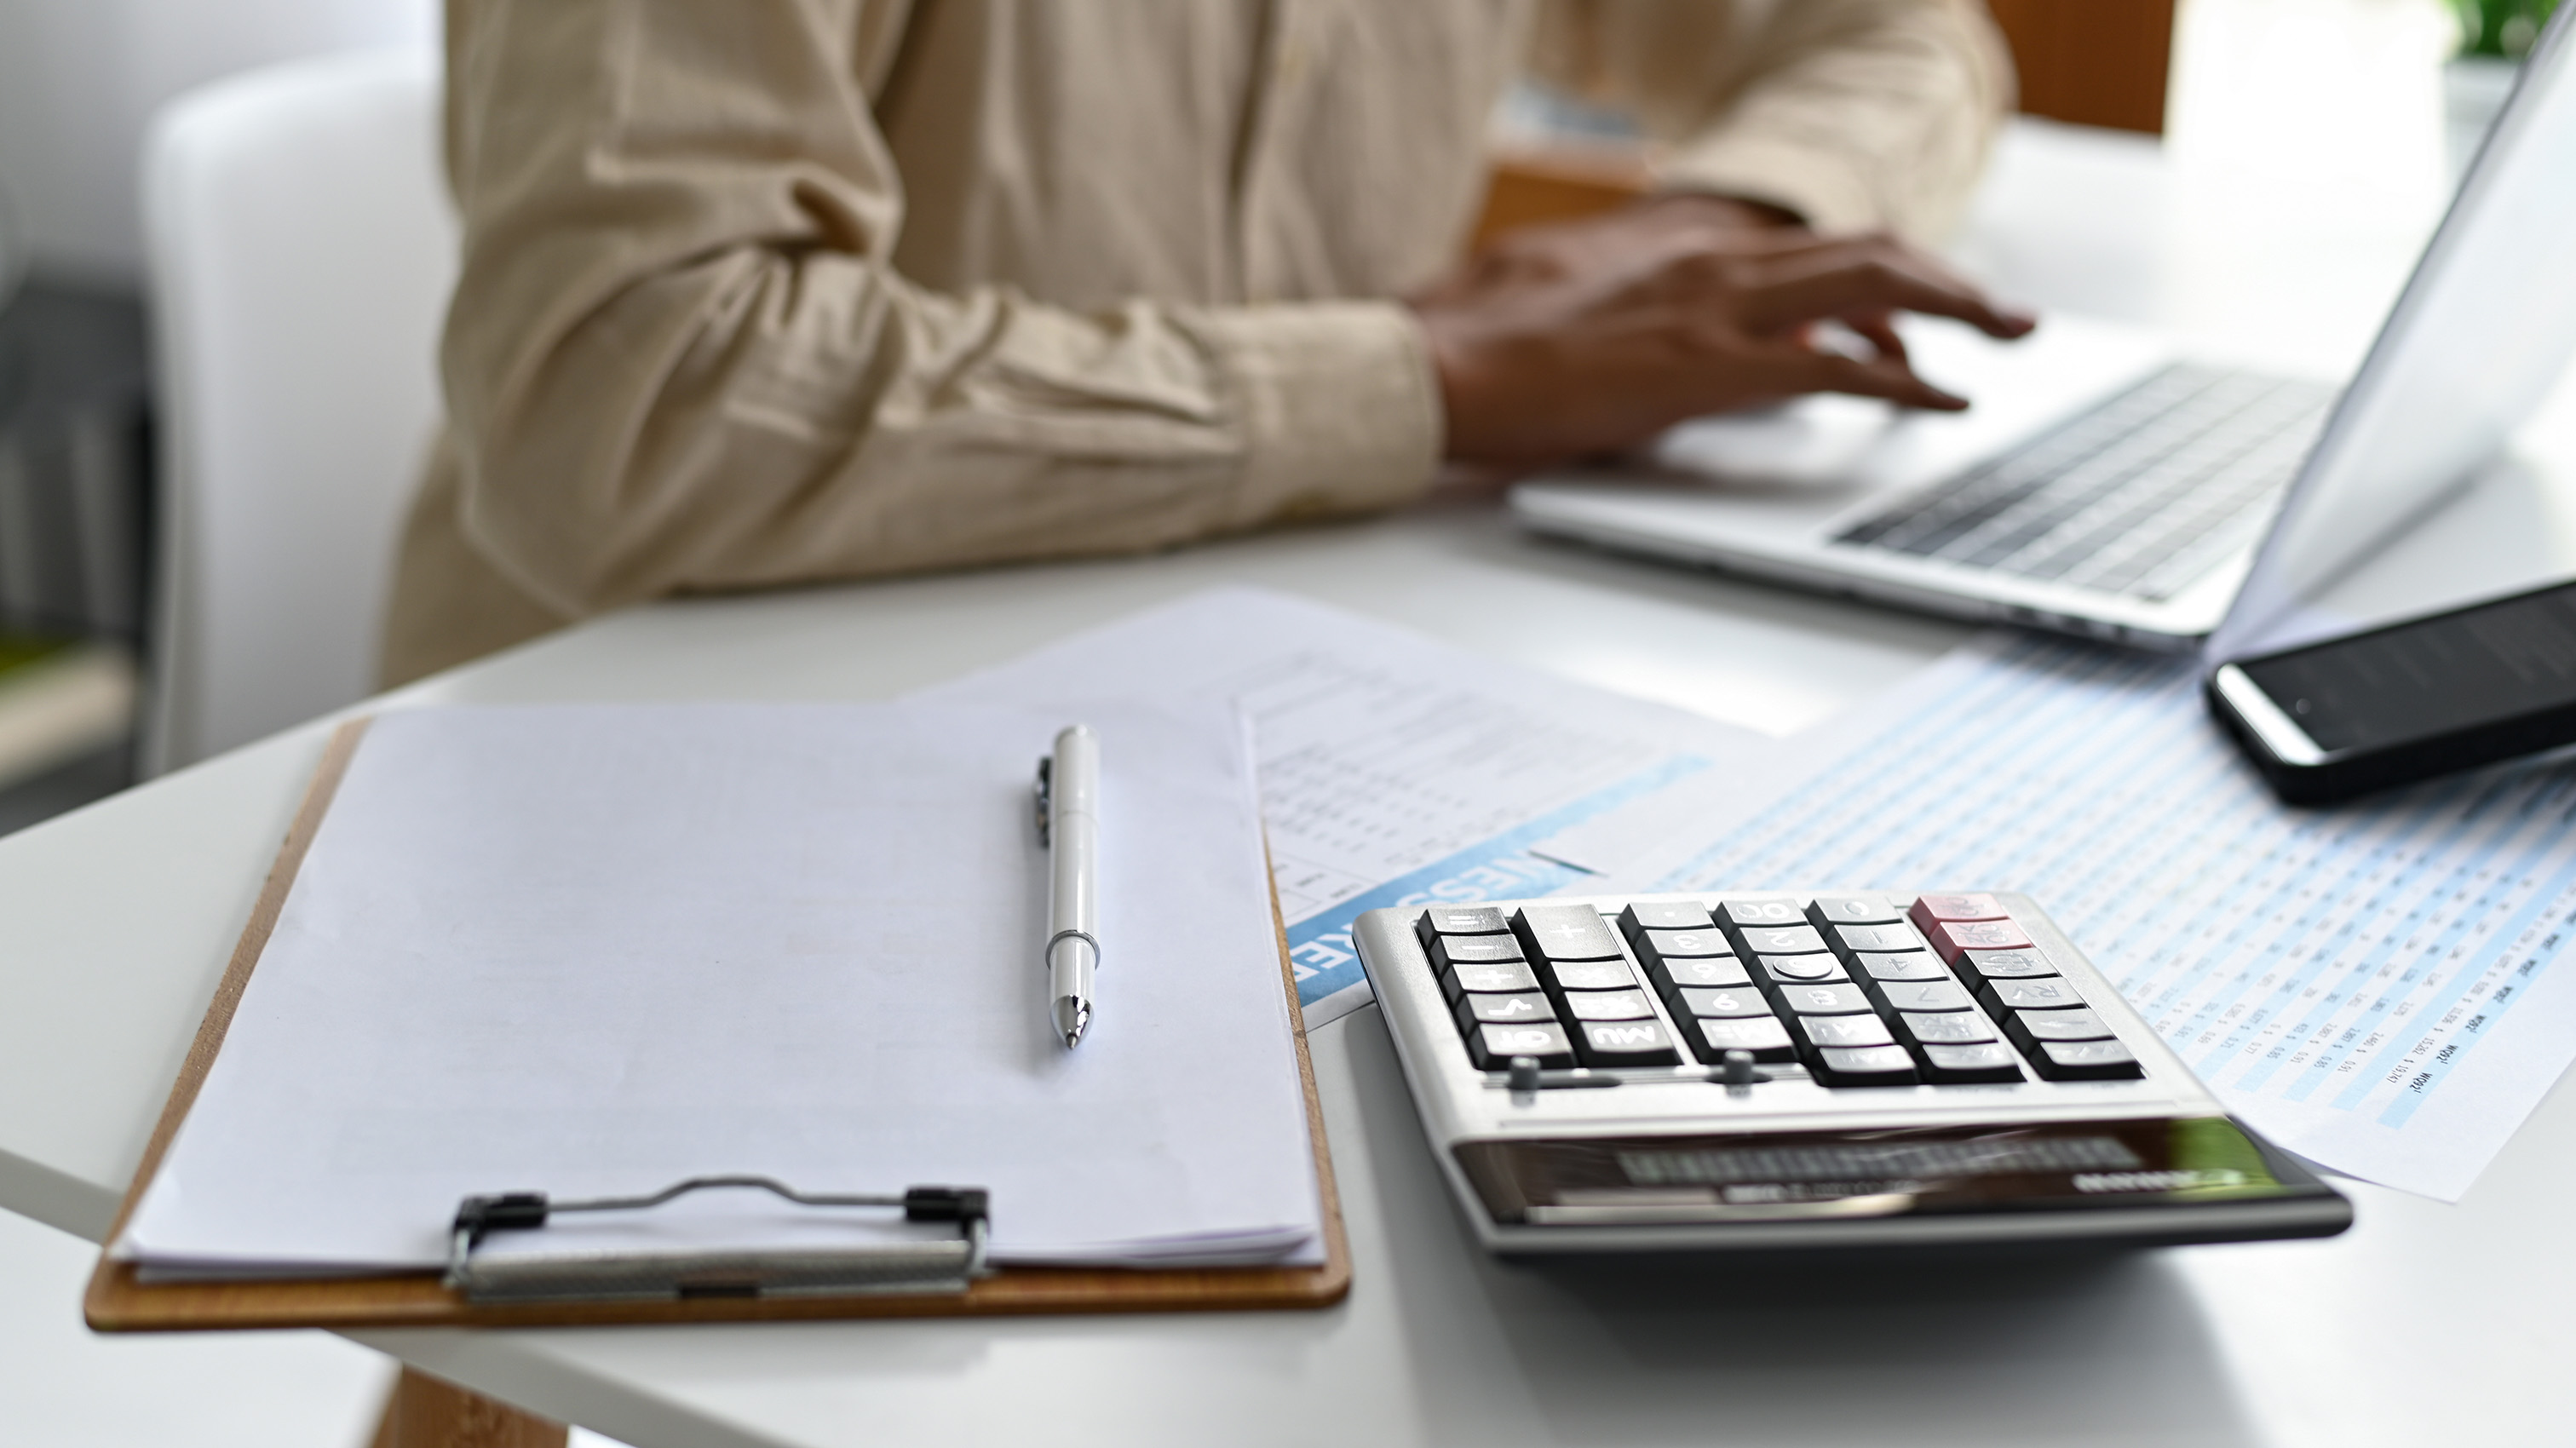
(1453, 950)
(1565, 932)
(1913, 965)
(1783, 971)
(1626, 1043)
(1608, 1005)
(1637, 919)
(1503, 1010)
(1862, 990)
(1512, 976)
(1591, 974)
(1495, 1046)
(1673, 975)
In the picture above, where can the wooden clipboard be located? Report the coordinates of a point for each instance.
(118, 1302)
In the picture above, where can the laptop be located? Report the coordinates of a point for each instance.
(2109, 484)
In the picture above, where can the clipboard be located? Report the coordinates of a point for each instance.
(117, 1301)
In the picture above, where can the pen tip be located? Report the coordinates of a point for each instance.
(1072, 1018)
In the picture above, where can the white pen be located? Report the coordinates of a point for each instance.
(1069, 826)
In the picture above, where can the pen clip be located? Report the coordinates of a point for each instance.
(1046, 775)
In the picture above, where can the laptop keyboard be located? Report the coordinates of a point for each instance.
(2139, 496)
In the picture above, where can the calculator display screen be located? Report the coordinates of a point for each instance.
(2429, 678)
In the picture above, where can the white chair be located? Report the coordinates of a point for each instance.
(300, 248)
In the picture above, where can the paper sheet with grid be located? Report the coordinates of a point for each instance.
(2377, 987)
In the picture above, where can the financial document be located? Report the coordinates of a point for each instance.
(2377, 987)
(1394, 769)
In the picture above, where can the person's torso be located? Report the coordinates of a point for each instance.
(1217, 151)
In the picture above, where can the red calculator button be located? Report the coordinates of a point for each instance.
(1955, 937)
(1932, 909)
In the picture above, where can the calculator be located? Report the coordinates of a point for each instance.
(1751, 1071)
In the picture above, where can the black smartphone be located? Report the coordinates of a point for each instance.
(2395, 704)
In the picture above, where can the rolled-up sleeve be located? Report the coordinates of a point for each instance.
(679, 358)
(1856, 114)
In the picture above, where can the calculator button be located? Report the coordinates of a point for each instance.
(1493, 1047)
(2030, 995)
(1852, 939)
(1950, 937)
(1460, 920)
(1948, 1028)
(1502, 978)
(1784, 940)
(1608, 1005)
(1764, 1036)
(1503, 1010)
(1825, 1000)
(1852, 910)
(1675, 974)
(1626, 1043)
(1567, 932)
(1865, 1066)
(1913, 965)
(1745, 1002)
(1932, 908)
(1682, 944)
(2029, 1028)
(1794, 969)
(1759, 911)
(1964, 1065)
(2005, 965)
(1922, 995)
(1592, 975)
(1823, 1031)
(1450, 950)
(2084, 1061)
(1642, 917)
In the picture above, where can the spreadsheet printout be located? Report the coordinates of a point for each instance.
(1393, 768)
(2377, 986)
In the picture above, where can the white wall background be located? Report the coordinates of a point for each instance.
(79, 80)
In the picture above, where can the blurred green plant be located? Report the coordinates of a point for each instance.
(2501, 27)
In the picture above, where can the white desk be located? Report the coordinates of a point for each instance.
(117, 922)
(2425, 1321)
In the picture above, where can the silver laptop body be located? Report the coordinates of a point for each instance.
(2107, 485)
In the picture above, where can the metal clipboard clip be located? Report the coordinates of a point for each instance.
(604, 1276)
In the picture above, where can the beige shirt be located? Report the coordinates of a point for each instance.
(767, 292)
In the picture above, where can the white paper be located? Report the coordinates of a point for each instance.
(593, 950)
(1394, 769)
(2376, 986)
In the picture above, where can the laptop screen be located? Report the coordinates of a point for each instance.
(2481, 333)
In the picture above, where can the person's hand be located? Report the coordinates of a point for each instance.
(1588, 336)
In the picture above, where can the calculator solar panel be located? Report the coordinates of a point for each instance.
(1806, 1070)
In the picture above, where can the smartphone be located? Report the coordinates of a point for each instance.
(2407, 701)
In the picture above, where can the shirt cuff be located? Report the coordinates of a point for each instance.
(1341, 410)
(1815, 182)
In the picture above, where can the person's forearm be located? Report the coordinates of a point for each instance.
(1853, 114)
(760, 419)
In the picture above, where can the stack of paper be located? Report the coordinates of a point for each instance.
(595, 950)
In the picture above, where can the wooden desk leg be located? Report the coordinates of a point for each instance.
(427, 1412)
